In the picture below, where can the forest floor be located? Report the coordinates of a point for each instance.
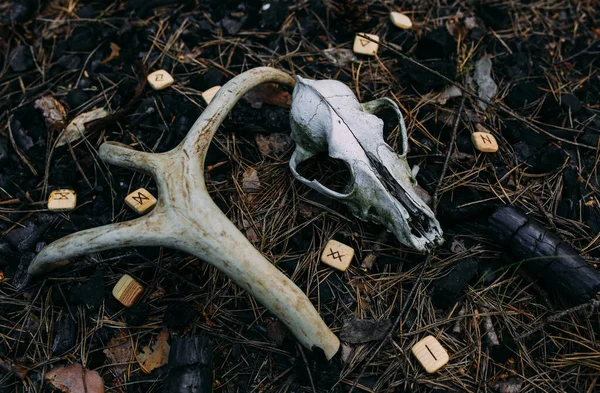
(505, 331)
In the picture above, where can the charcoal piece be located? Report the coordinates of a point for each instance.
(435, 45)
(545, 255)
(523, 94)
(65, 331)
(570, 102)
(21, 59)
(3, 152)
(190, 366)
(190, 351)
(90, 293)
(20, 12)
(25, 238)
(19, 278)
(450, 286)
(178, 315)
(358, 331)
(136, 314)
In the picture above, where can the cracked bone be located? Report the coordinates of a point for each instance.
(327, 117)
(187, 219)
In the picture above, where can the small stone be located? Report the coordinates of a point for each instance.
(141, 201)
(484, 141)
(366, 46)
(209, 94)
(160, 79)
(62, 200)
(127, 290)
(178, 315)
(400, 20)
(430, 353)
(337, 255)
(21, 59)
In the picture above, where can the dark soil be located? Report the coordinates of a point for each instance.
(545, 116)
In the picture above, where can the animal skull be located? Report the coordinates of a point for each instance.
(327, 117)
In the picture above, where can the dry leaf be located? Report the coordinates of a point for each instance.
(76, 128)
(53, 111)
(250, 180)
(268, 93)
(114, 52)
(119, 352)
(9, 366)
(273, 144)
(157, 355)
(70, 379)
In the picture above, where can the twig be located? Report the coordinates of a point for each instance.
(448, 155)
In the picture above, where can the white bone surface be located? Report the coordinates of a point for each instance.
(187, 219)
(327, 117)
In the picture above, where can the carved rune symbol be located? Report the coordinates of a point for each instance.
(159, 77)
(335, 254)
(485, 139)
(60, 195)
(364, 42)
(140, 197)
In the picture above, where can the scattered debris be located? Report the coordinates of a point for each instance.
(137, 314)
(339, 56)
(511, 385)
(490, 335)
(75, 379)
(120, 352)
(156, 355)
(65, 334)
(250, 180)
(11, 367)
(268, 93)
(448, 93)
(91, 293)
(359, 331)
(54, 112)
(400, 20)
(274, 144)
(482, 76)
(114, 52)
(544, 254)
(447, 289)
(190, 366)
(76, 128)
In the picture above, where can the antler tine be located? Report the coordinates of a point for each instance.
(122, 155)
(138, 232)
(200, 135)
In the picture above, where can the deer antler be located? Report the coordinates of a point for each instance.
(186, 218)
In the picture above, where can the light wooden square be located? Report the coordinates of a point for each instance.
(400, 20)
(62, 200)
(140, 200)
(209, 94)
(127, 290)
(430, 353)
(484, 142)
(160, 79)
(337, 255)
(364, 46)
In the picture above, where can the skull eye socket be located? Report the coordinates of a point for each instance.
(330, 172)
(392, 133)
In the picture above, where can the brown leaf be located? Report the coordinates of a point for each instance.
(114, 52)
(274, 144)
(53, 111)
(119, 352)
(76, 127)
(157, 355)
(250, 180)
(268, 93)
(75, 379)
